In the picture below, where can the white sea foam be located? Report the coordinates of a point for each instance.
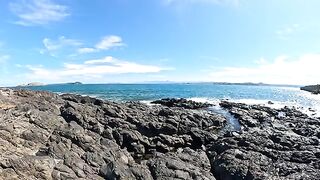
(205, 100)
(93, 95)
(147, 102)
(312, 109)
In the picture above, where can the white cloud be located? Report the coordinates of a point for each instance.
(53, 45)
(86, 50)
(106, 43)
(218, 2)
(38, 12)
(4, 59)
(261, 61)
(107, 59)
(283, 70)
(288, 31)
(90, 69)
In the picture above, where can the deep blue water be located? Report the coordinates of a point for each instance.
(281, 96)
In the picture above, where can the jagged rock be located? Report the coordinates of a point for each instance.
(274, 148)
(47, 136)
(184, 103)
(187, 164)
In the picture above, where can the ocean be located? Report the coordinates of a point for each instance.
(204, 92)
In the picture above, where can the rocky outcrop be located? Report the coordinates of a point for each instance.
(187, 104)
(274, 144)
(47, 136)
(314, 89)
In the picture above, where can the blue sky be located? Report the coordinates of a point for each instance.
(99, 41)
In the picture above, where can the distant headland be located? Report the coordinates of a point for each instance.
(74, 83)
(43, 84)
(163, 82)
(314, 89)
(32, 84)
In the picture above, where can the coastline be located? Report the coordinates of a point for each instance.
(72, 136)
(279, 96)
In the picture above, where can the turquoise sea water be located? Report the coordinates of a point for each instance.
(279, 95)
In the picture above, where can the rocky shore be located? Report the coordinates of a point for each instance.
(49, 136)
(314, 89)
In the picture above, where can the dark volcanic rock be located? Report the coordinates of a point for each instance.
(184, 103)
(47, 136)
(270, 147)
(186, 164)
(315, 89)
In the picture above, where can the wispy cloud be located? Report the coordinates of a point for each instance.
(75, 47)
(217, 2)
(86, 50)
(106, 43)
(38, 12)
(286, 32)
(109, 42)
(51, 46)
(96, 68)
(283, 70)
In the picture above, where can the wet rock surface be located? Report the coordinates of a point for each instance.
(48, 136)
(274, 144)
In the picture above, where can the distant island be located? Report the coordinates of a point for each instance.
(218, 83)
(166, 82)
(314, 89)
(42, 84)
(74, 83)
(32, 84)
